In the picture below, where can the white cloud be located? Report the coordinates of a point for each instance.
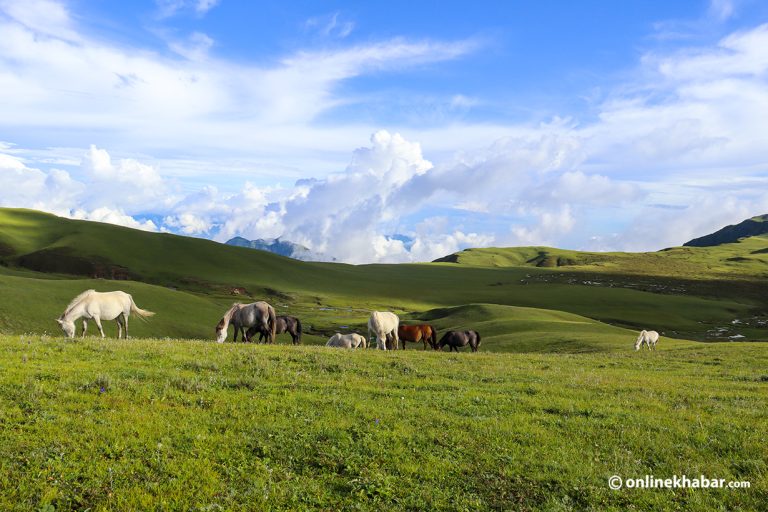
(194, 48)
(109, 216)
(152, 102)
(45, 17)
(721, 10)
(168, 8)
(331, 25)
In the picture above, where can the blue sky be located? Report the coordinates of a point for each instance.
(591, 125)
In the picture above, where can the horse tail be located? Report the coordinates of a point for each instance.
(478, 337)
(433, 337)
(142, 313)
(272, 324)
(298, 330)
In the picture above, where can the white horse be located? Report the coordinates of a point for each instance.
(647, 338)
(97, 306)
(353, 340)
(383, 324)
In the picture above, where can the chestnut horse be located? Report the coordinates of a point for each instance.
(416, 333)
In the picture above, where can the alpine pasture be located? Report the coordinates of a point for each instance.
(555, 402)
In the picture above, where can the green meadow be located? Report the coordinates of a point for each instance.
(190, 425)
(554, 404)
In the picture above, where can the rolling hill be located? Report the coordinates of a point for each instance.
(729, 234)
(693, 293)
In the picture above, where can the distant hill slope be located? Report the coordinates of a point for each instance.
(276, 246)
(745, 259)
(733, 233)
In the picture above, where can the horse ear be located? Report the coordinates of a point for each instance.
(59, 321)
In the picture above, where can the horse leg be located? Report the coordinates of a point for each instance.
(119, 327)
(125, 326)
(98, 324)
(85, 326)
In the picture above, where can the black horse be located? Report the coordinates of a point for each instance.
(289, 324)
(456, 339)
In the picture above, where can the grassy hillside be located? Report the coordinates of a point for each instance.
(187, 282)
(729, 234)
(184, 425)
(746, 259)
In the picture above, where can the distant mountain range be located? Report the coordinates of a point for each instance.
(281, 247)
(729, 234)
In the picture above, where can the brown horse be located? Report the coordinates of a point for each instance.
(416, 333)
(283, 323)
(456, 339)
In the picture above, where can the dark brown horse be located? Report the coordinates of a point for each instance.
(283, 323)
(416, 333)
(456, 339)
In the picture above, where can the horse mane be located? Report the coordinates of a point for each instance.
(76, 300)
(231, 311)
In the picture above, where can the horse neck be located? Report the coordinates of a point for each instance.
(229, 314)
(73, 313)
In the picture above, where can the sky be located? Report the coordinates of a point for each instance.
(390, 132)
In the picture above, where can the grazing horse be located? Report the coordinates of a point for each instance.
(383, 324)
(99, 306)
(353, 340)
(416, 333)
(242, 316)
(283, 324)
(647, 338)
(456, 339)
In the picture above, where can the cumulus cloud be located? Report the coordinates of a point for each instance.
(110, 216)
(128, 184)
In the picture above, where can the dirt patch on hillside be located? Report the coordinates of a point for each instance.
(63, 261)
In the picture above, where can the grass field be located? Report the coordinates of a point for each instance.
(191, 425)
(554, 404)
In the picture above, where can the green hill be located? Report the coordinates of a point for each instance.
(744, 259)
(683, 292)
(733, 233)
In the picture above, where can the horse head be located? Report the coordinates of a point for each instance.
(67, 326)
(221, 331)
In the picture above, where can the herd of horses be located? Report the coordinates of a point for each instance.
(259, 317)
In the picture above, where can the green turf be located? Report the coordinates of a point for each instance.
(190, 425)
